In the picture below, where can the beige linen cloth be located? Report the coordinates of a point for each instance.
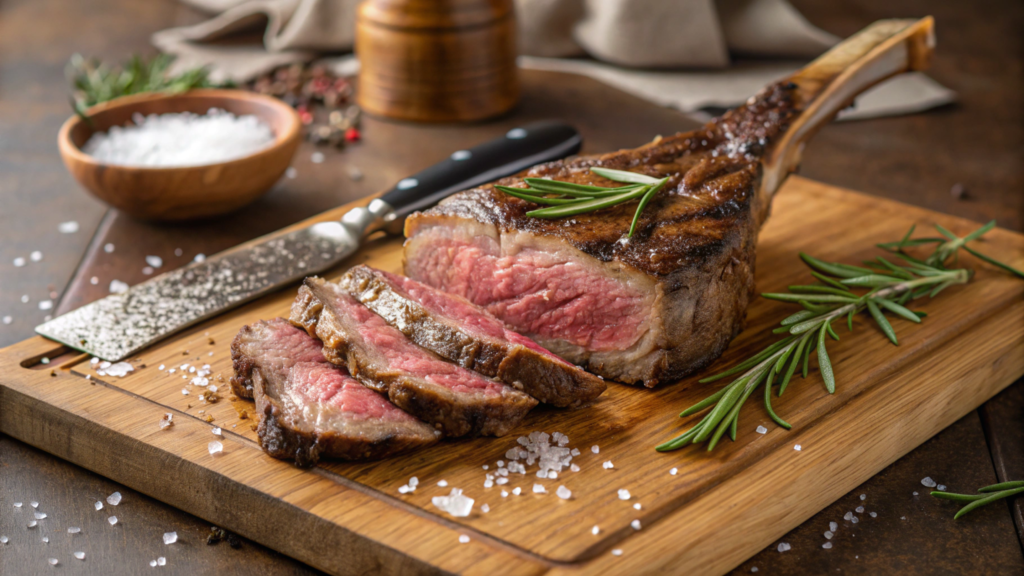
(679, 53)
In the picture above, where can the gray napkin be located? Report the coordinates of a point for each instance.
(639, 46)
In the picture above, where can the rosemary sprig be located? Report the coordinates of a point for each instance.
(570, 199)
(95, 82)
(889, 287)
(986, 495)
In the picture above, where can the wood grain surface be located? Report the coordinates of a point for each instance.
(891, 399)
(977, 144)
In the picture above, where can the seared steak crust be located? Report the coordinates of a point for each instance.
(687, 274)
(453, 399)
(308, 408)
(459, 331)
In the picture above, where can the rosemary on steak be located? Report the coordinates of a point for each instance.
(986, 495)
(890, 287)
(569, 199)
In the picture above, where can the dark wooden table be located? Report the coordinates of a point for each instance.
(978, 144)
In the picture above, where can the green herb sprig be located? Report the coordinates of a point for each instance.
(986, 495)
(890, 287)
(94, 82)
(570, 199)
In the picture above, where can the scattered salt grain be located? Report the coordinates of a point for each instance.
(178, 252)
(3, 540)
(108, 248)
(40, 515)
(873, 514)
(45, 304)
(617, 552)
(517, 491)
(463, 539)
(863, 496)
(19, 262)
(180, 139)
(94, 280)
(154, 261)
(635, 524)
(456, 504)
(552, 475)
(783, 546)
(112, 520)
(928, 482)
(504, 493)
(118, 287)
(8, 319)
(152, 563)
(161, 561)
(608, 465)
(99, 505)
(859, 509)
(754, 569)
(915, 493)
(848, 516)
(414, 482)
(637, 506)
(404, 489)
(80, 555)
(829, 534)
(486, 467)
(35, 256)
(114, 499)
(32, 523)
(503, 480)
(833, 526)
(762, 430)
(623, 494)
(595, 449)
(563, 493)
(826, 545)
(184, 392)
(74, 530)
(46, 539)
(539, 489)
(941, 487)
(574, 468)
(170, 537)
(442, 483)
(291, 172)
(200, 257)
(797, 448)
(854, 520)
(17, 504)
(24, 299)
(53, 561)
(317, 157)
(485, 508)
(216, 431)
(501, 463)
(69, 227)
(673, 471)
(148, 270)
(215, 448)
(34, 504)
(121, 369)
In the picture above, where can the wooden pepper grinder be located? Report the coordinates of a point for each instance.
(437, 60)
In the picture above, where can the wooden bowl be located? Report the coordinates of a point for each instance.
(182, 193)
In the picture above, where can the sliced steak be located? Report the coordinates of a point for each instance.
(455, 400)
(666, 302)
(309, 408)
(458, 330)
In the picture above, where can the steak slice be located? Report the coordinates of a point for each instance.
(453, 399)
(308, 407)
(666, 302)
(459, 331)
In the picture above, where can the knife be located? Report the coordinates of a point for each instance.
(120, 325)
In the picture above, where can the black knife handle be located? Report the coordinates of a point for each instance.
(517, 150)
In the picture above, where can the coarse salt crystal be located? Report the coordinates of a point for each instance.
(413, 482)
(485, 508)
(80, 555)
(635, 524)
(317, 157)
(833, 526)
(121, 369)
(154, 261)
(404, 489)
(797, 448)
(32, 523)
(74, 530)
(148, 270)
(488, 483)
(617, 552)
(826, 545)
(854, 520)
(170, 537)
(673, 471)
(848, 516)
(34, 504)
(35, 256)
(574, 468)
(442, 483)
(19, 262)
(152, 563)
(69, 227)
(94, 281)
(863, 496)
(595, 530)
(552, 475)
(501, 481)
(215, 448)
(108, 248)
(200, 257)
(99, 505)
(623, 494)
(118, 287)
(456, 504)
(928, 482)
(46, 539)
(161, 561)
(24, 299)
(17, 504)
(608, 465)
(563, 493)
(637, 506)
(40, 515)
(829, 534)
(783, 546)
(595, 449)
(486, 467)
(915, 493)
(941, 487)
(504, 493)
(463, 539)
(859, 509)
(8, 319)
(112, 520)
(539, 489)
(291, 172)
(45, 304)
(216, 431)
(517, 491)
(53, 561)
(762, 430)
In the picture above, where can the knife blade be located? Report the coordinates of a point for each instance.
(117, 326)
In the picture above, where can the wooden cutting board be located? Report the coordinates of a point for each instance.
(718, 509)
